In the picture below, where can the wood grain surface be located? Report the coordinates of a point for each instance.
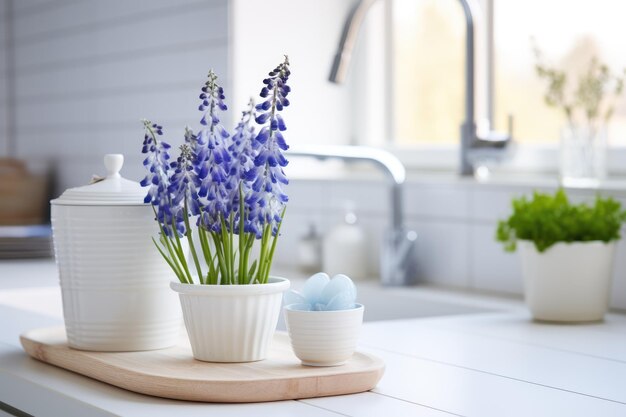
(174, 373)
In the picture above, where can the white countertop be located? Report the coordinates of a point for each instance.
(486, 364)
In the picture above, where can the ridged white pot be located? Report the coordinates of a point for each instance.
(114, 283)
(569, 282)
(323, 338)
(231, 323)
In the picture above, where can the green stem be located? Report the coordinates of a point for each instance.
(231, 245)
(178, 273)
(181, 254)
(244, 257)
(170, 249)
(242, 239)
(192, 247)
(208, 256)
(249, 246)
(263, 253)
(274, 241)
(220, 257)
(227, 250)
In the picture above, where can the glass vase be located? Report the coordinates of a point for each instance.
(583, 156)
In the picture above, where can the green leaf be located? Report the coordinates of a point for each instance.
(546, 219)
(252, 269)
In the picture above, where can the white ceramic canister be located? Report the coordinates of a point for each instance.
(115, 285)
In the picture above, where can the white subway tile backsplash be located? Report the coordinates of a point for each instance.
(436, 200)
(295, 226)
(492, 268)
(308, 196)
(489, 205)
(442, 252)
(375, 227)
(362, 196)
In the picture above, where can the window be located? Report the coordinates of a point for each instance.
(569, 33)
(427, 64)
(427, 70)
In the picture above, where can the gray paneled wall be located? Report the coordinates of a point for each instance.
(88, 71)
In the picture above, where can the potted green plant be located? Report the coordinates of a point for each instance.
(567, 253)
(224, 197)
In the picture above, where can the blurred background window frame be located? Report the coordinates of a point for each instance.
(376, 60)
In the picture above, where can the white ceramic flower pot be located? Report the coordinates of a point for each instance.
(231, 323)
(569, 282)
(323, 338)
(114, 283)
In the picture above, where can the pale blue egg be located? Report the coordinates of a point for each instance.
(318, 307)
(339, 284)
(300, 307)
(314, 286)
(341, 301)
(294, 297)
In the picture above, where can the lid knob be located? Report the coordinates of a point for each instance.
(113, 163)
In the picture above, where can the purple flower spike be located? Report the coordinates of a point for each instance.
(158, 166)
(182, 186)
(269, 144)
(211, 159)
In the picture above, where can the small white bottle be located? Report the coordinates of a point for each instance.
(345, 249)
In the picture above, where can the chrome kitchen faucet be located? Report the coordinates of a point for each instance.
(398, 261)
(472, 145)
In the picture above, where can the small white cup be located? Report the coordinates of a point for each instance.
(323, 338)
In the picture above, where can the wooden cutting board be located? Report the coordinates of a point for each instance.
(173, 373)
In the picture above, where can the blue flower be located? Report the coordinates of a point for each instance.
(182, 186)
(157, 179)
(212, 161)
(243, 176)
(241, 147)
(269, 145)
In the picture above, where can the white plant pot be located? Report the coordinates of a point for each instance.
(569, 282)
(323, 338)
(231, 323)
(114, 283)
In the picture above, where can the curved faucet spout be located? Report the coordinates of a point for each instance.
(386, 161)
(398, 263)
(339, 70)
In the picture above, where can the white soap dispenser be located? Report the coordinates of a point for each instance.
(345, 248)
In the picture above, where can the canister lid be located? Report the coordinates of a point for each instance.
(113, 190)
